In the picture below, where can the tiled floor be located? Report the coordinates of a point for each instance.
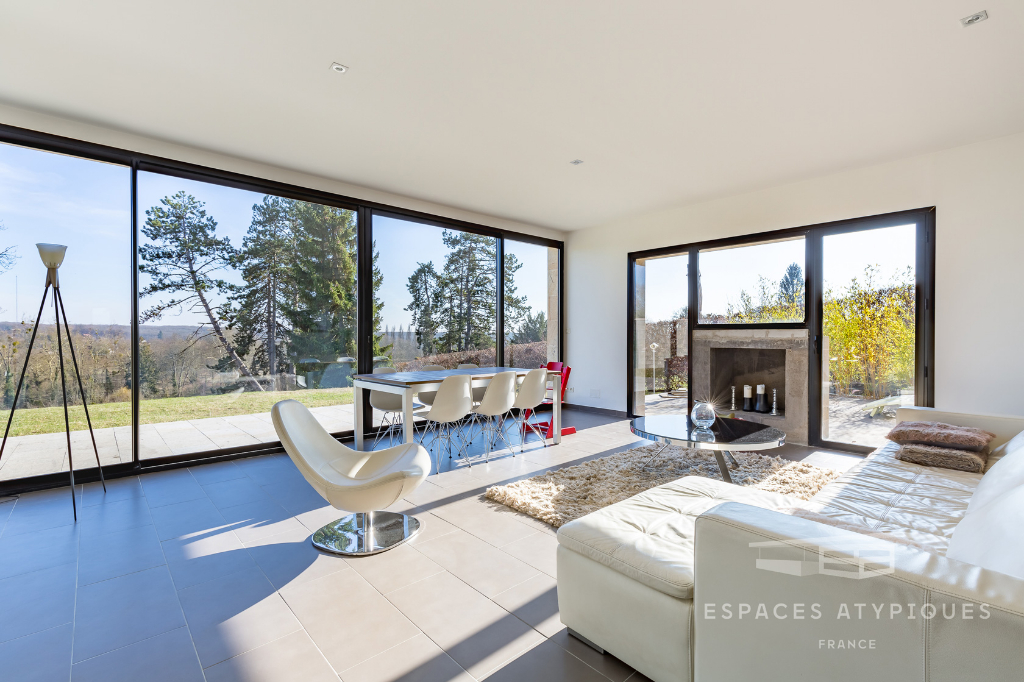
(208, 574)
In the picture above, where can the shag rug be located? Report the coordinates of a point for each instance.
(560, 496)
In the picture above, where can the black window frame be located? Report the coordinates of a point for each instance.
(364, 209)
(924, 273)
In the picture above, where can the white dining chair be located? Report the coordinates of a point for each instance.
(362, 483)
(428, 397)
(497, 400)
(478, 391)
(391, 405)
(530, 395)
(453, 402)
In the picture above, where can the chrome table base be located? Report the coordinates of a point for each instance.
(362, 534)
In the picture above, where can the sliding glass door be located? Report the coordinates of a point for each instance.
(868, 331)
(660, 335)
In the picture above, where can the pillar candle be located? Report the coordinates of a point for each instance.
(760, 388)
(746, 391)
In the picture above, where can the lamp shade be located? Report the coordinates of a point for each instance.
(52, 255)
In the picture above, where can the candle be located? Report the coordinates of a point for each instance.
(760, 388)
(746, 391)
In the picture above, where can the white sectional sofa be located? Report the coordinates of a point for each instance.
(702, 580)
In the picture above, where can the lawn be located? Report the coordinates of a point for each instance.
(156, 411)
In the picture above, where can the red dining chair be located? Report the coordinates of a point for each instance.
(548, 426)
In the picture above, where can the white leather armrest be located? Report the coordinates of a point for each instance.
(818, 602)
(1004, 427)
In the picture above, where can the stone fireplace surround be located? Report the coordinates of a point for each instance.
(792, 391)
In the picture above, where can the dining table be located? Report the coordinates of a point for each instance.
(409, 384)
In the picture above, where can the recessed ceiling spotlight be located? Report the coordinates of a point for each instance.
(576, 162)
(340, 68)
(974, 18)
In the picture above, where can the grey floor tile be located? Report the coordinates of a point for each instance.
(288, 558)
(36, 601)
(534, 602)
(481, 565)
(111, 517)
(395, 568)
(609, 666)
(293, 658)
(121, 611)
(430, 527)
(547, 662)
(485, 519)
(171, 487)
(415, 660)
(477, 633)
(117, 489)
(234, 492)
(216, 472)
(269, 470)
(234, 614)
(41, 657)
(32, 514)
(260, 519)
(195, 559)
(169, 657)
(296, 496)
(42, 549)
(360, 625)
(537, 550)
(187, 518)
(108, 556)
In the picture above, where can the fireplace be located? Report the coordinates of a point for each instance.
(748, 366)
(721, 358)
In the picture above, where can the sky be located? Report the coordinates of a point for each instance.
(46, 197)
(727, 272)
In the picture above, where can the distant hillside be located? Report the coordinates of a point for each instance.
(146, 331)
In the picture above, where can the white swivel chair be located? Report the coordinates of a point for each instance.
(391, 405)
(358, 482)
(453, 402)
(428, 397)
(497, 401)
(531, 394)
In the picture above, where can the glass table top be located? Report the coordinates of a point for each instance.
(724, 434)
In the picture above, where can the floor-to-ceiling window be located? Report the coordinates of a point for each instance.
(660, 379)
(248, 292)
(530, 304)
(246, 299)
(833, 323)
(84, 205)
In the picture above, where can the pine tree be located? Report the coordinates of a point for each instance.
(425, 289)
(265, 265)
(321, 303)
(182, 260)
(791, 288)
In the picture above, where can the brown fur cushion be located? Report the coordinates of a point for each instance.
(943, 435)
(946, 458)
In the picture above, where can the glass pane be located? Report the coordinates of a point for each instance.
(437, 295)
(869, 330)
(760, 283)
(246, 299)
(661, 353)
(531, 304)
(84, 205)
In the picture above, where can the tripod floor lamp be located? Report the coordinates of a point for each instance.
(52, 256)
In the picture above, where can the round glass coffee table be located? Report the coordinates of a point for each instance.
(725, 436)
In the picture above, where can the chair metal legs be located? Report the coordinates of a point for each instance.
(446, 433)
(393, 421)
(523, 422)
(491, 435)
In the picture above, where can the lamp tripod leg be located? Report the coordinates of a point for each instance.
(81, 388)
(21, 380)
(64, 393)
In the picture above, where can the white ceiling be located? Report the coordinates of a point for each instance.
(482, 105)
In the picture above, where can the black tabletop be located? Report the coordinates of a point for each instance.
(725, 434)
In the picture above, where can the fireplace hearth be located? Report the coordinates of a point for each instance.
(748, 366)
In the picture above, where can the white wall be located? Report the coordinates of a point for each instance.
(978, 192)
(78, 130)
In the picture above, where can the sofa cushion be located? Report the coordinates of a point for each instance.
(649, 537)
(1005, 475)
(921, 505)
(992, 536)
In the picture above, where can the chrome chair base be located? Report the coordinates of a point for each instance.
(366, 533)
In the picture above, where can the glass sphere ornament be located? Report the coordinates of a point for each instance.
(703, 415)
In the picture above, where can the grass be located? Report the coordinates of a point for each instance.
(29, 421)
